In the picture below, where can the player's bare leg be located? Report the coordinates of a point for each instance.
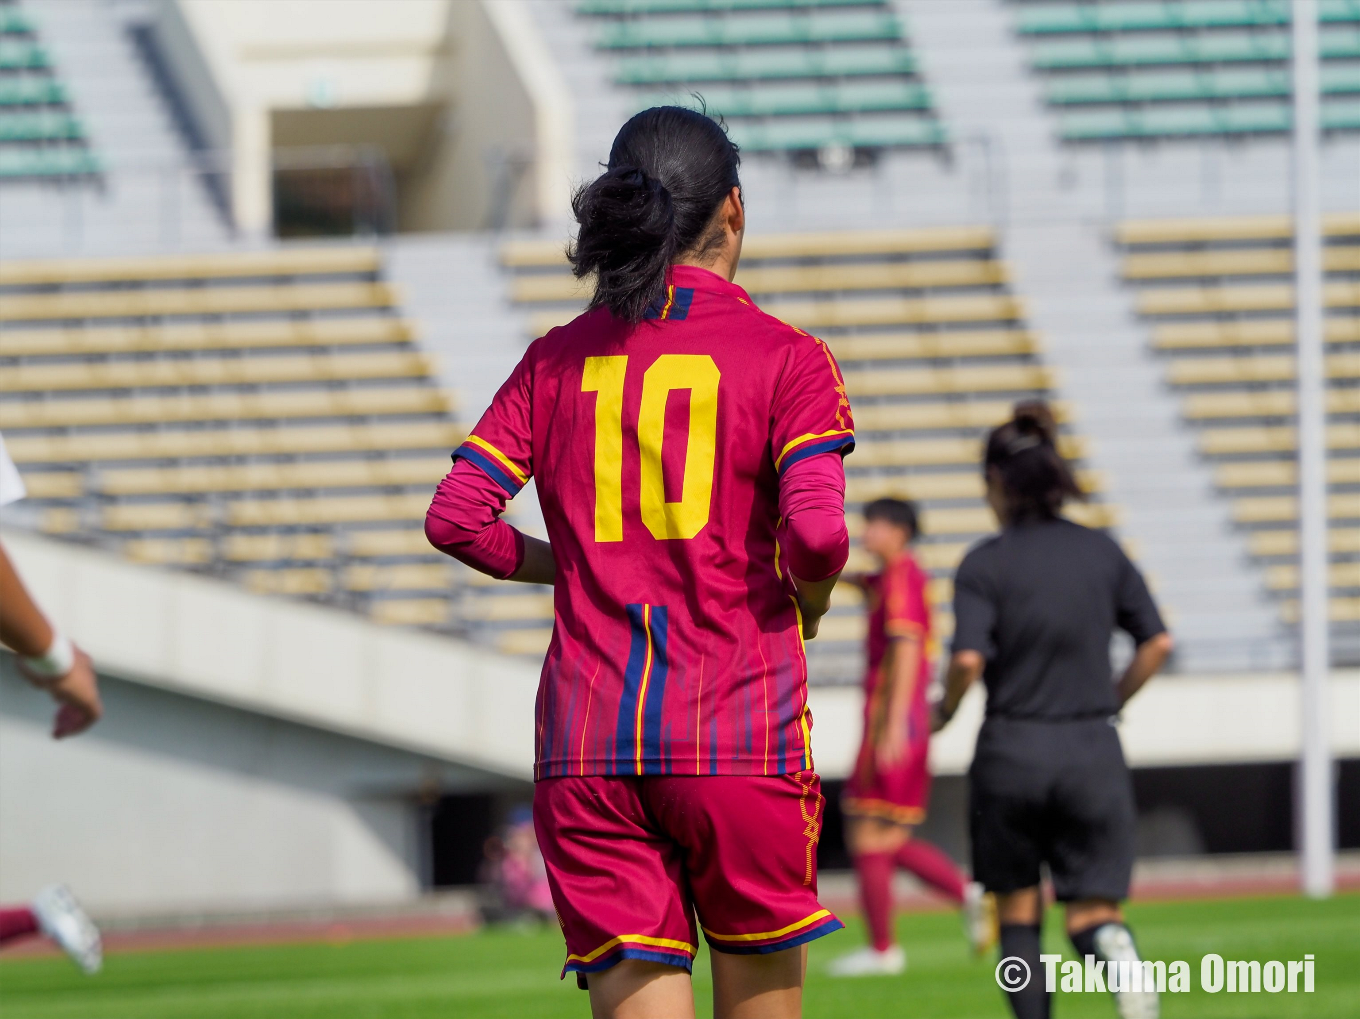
(636, 989)
(766, 986)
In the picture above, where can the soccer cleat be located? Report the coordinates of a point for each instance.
(870, 962)
(61, 919)
(1114, 944)
(979, 918)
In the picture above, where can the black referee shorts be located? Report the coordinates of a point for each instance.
(1057, 793)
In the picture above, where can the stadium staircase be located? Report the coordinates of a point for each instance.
(1158, 69)
(1218, 296)
(935, 348)
(91, 161)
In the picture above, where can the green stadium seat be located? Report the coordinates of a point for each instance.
(22, 55)
(42, 126)
(755, 65)
(1136, 51)
(1202, 83)
(47, 162)
(773, 29)
(804, 98)
(1175, 121)
(31, 90)
(1133, 17)
(636, 7)
(13, 21)
(790, 135)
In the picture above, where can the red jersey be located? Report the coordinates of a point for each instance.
(898, 607)
(657, 451)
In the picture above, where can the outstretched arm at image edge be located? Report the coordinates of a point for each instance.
(812, 505)
(464, 521)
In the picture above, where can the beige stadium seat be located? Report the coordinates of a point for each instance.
(313, 261)
(1339, 610)
(156, 516)
(1269, 509)
(441, 435)
(842, 627)
(301, 580)
(1248, 262)
(259, 477)
(155, 302)
(54, 484)
(1271, 439)
(409, 611)
(194, 336)
(524, 642)
(944, 344)
(169, 551)
(1239, 298)
(940, 415)
(256, 548)
(1228, 228)
(486, 607)
(59, 520)
(925, 381)
(1246, 370)
(1271, 403)
(372, 544)
(931, 555)
(922, 452)
(402, 577)
(1339, 575)
(915, 486)
(1283, 542)
(70, 412)
(313, 512)
(1275, 474)
(213, 371)
(1273, 332)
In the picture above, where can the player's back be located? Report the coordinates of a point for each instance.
(657, 450)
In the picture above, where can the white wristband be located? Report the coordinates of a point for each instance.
(55, 662)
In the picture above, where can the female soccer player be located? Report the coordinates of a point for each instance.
(687, 449)
(1035, 608)
(887, 793)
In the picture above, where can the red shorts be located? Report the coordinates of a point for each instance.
(899, 794)
(631, 859)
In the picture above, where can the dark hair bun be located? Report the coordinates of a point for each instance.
(1033, 417)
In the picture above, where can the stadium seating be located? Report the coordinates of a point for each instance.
(1218, 295)
(1165, 70)
(934, 350)
(798, 75)
(40, 135)
(264, 416)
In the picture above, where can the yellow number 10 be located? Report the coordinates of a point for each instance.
(698, 374)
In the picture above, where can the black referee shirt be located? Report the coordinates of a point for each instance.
(1040, 602)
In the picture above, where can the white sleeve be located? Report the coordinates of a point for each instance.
(11, 485)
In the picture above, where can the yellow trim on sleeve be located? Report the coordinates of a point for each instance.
(634, 939)
(807, 438)
(806, 921)
(505, 461)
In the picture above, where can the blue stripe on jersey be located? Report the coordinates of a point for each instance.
(493, 470)
(656, 693)
(625, 732)
(846, 442)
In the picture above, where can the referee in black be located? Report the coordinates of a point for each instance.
(1035, 608)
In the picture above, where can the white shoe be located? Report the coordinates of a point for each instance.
(870, 962)
(979, 918)
(1114, 944)
(61, 919)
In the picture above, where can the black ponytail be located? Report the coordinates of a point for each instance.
(1024, 452)
(669, 170)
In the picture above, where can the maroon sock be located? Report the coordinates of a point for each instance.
(933, 867)
(16, 923)
(875, 871)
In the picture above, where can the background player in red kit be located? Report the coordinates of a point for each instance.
(687, 451)
(889, 789)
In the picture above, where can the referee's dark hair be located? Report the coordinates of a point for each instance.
(901, 512)
(1024, 453)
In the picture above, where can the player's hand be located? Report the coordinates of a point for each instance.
(77, 697)
(892, 746)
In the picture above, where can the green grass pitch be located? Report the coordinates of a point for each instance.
(510, 974)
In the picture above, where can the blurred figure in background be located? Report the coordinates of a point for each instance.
(514, 871)
(49, 661)
(1035, 608)
(887, 793)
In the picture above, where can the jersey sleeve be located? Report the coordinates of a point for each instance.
(905, 612)
(974, 609)
(502, 443)
(811, 412)
(1135, 611)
